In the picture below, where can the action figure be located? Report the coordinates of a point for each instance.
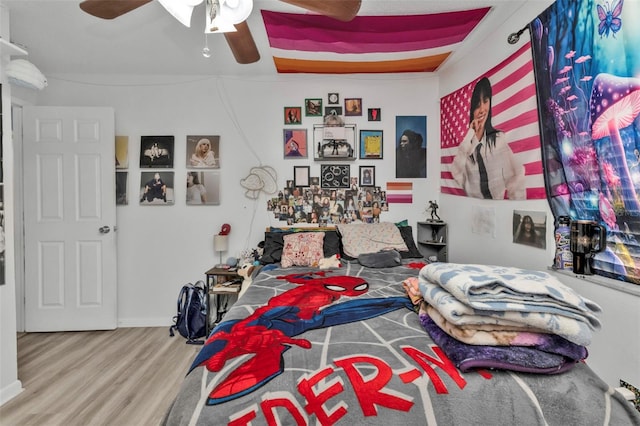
(433, 208)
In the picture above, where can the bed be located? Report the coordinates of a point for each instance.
(350, 346)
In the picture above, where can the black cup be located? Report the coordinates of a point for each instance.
(586, 239)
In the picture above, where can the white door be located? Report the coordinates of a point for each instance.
(69, 218)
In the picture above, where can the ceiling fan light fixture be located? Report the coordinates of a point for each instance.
(181, 9)
(222, 15)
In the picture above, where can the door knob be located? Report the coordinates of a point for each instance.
(104, 229)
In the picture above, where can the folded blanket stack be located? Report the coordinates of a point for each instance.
(485, 316)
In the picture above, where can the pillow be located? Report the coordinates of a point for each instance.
(407, 236)
(381, 259)
(358, 238)
(274, 241)
(302, 249)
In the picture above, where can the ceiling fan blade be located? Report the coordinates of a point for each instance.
(242, 44)
(109, 9)
(342, 10)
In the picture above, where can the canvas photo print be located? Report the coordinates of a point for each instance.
(156, 151)
(203, 151)
(122, 152)
(203, 188)
(156, 188)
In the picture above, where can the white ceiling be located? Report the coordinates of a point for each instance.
(62, 39)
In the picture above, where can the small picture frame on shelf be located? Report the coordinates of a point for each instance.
(313, 107)
(295, 143)
(292, 115)
(371, 144)
(367, 176)
(301, 176)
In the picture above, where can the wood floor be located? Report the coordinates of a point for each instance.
(122, 377)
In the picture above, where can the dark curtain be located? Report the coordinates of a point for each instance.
(587, 69)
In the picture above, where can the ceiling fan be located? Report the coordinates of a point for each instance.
(236, 31)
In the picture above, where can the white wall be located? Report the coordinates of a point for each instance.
(9, 383)
(621, 310)
(160, 248)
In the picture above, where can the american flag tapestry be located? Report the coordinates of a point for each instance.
(587, 66)
(508, 124)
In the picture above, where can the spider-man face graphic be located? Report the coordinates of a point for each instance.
(268, 332)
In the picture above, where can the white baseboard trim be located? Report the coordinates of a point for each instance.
(9, 392)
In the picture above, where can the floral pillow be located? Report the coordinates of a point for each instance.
(302, 249)
(359, 238)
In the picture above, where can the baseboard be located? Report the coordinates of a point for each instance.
(9, 392)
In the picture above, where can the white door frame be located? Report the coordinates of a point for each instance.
(18, 213)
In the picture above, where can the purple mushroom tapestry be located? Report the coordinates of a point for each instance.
(587, 67)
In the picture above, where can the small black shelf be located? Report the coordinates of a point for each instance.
(433, 240)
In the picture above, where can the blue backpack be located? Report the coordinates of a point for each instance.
(191, 318)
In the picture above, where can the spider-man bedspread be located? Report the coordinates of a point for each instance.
(345, 346)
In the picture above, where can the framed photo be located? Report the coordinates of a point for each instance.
(367, 176)
(333, 110)
(156, 188)
(203, 151)
(313, 107)
(353, 106)
(122, 152)
(295, 143)
(292, 115)
(203, 188)
(121, 188)
(374, 114)
(301, 176)
(334, 142)
(334, 176)
(371, 144)
(156, 151)
(315, 182)
(334, 98)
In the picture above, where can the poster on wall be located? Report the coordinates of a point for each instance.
(122, 152)
(203, 151)
(411, 146)
(156, 151)
(295, 143)
(121, 188)
(530, 228)
(490, 141)
(587, 66)
(203, 188)
(156, 188)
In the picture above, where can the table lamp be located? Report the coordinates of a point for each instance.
(220, 244)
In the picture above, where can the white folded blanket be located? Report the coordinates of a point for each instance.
(485, 294)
